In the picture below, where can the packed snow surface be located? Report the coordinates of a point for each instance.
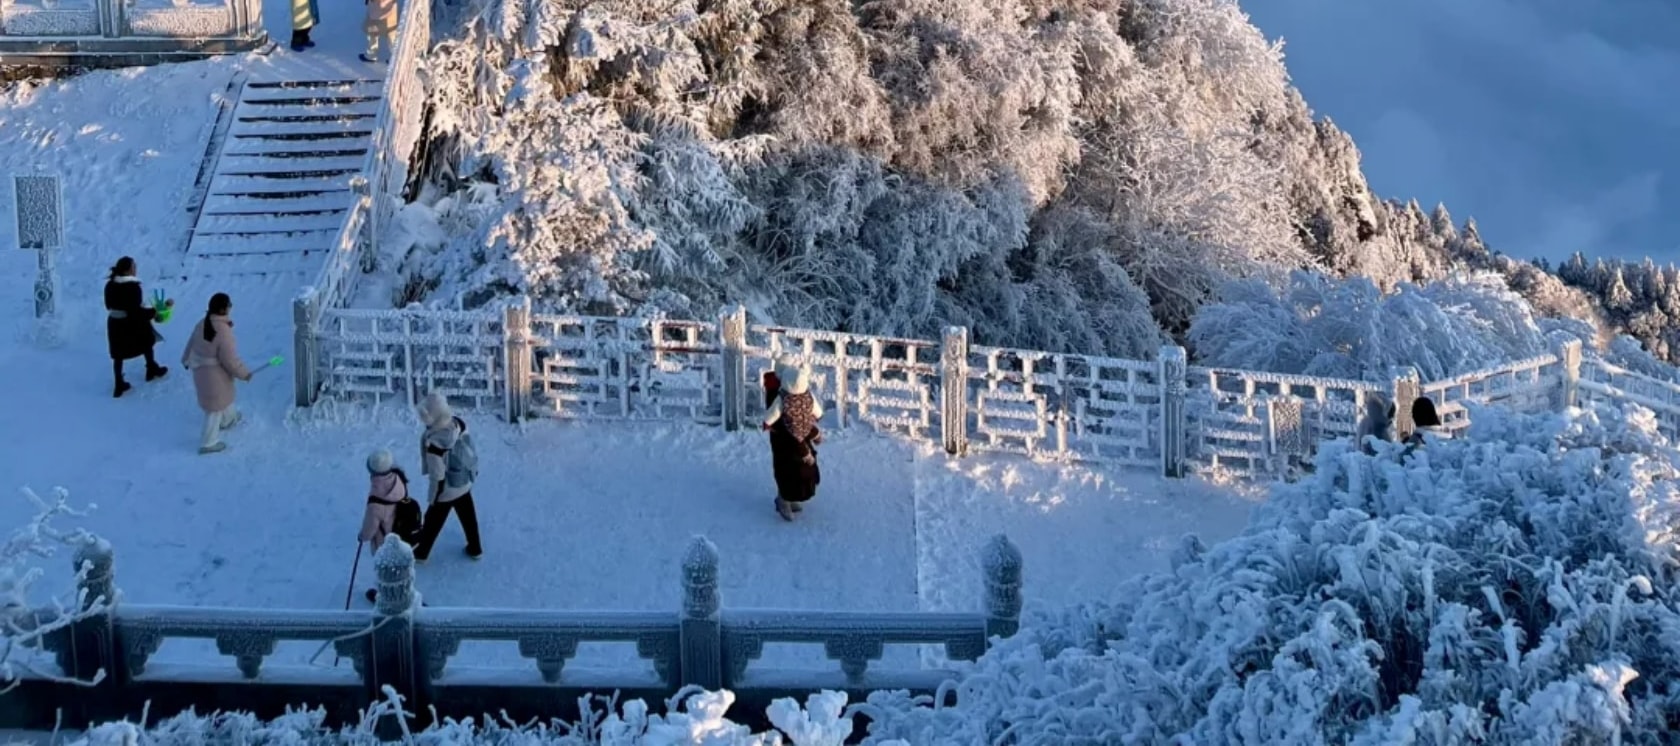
(575, 516)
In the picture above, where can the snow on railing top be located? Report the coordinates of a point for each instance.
(1254, 382)
(1532, 364)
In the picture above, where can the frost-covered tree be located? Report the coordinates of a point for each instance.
(1317, 325)
(889, 166)
(26, 621)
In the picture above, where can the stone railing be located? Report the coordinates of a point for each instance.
(1161, 414)
(123, 32)
(408, 649)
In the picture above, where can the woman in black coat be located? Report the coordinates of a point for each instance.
(128, 323)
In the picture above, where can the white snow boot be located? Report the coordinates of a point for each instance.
(784, 509)
(217, 448)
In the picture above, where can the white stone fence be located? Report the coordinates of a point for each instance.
(31, 29)
(407, 648)
(1160, 414)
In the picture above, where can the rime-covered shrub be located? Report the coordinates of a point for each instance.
(1516, 586)
(1321, 326)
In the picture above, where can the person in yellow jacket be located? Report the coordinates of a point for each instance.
(305, 14)
(381, 28)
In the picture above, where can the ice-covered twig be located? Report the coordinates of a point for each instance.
(25, 627)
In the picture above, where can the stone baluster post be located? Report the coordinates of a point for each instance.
(1002, 564)
(1569, 367)
(392, 660)
(86, 650)
(732, 337)
(701, 629)
(1406, 388)
(1172, 375)
(953, 390)
(306, 311)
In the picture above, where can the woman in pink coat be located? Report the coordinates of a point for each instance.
(387, 490)
(212, 355)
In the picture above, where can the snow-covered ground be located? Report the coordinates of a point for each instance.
(575, 516)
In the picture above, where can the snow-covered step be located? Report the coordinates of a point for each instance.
(319, 112)
(245, 244)
(245, 165)
(341, 145)
(285, 204)
(299, 265)
(338, 90)
(281, 185)
(237, 184)
(210, 225)
(263, 133)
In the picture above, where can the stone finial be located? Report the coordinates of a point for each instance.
(394, 563)
(94, 562)
(1002, 562)
(700, 579)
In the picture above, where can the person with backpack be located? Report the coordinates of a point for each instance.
(791, 419)
(450, 464)
(390, 511)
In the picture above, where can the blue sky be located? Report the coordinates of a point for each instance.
(1555, 123)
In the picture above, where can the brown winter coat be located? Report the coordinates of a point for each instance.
(214, 364)
(381, 17)
(792, 421)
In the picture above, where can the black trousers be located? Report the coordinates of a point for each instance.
(437, 513)
(117, 365)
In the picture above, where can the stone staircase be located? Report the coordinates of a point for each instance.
(280, 187)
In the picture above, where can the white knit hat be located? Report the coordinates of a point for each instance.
(380, 462)
(434, 409)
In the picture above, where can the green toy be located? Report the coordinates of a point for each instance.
(162, 306)
(274, 362)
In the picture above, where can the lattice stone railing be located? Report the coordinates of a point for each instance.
(1602, 382)
(1158, 413)
(1531, 385)
(1131, 412)
(92, 26)
(1265, 423)
(407, 648)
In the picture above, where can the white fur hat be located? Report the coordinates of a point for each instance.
(380, 462)
(434, 410)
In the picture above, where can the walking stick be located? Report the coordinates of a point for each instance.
(351, 590)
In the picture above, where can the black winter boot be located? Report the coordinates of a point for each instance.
(300, 40)
(154, 372)
(122, 386)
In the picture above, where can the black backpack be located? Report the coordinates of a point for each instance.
(408, 522)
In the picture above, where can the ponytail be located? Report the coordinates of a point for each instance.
(124, 266)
